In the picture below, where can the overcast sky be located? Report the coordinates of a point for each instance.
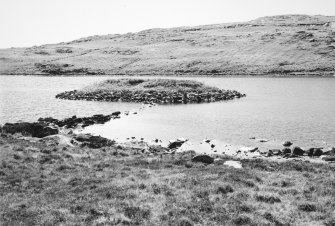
(36, 22)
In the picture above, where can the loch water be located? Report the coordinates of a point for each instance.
(298, 109)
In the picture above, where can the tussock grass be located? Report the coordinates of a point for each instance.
(82, 186)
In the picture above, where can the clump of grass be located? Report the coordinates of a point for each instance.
(267, 198)
(270, 217)
(184, 222)
(142, 186)
(307, 207)
(242, 220)
(156, 189)
(137, 214)
(225, 189)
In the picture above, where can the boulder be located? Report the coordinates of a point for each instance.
(297, 151)
(175, 144)
(286, 151)
(235, 164)
(315, 152)
(287, 143)
(203, 158)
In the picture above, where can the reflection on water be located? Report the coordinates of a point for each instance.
(298, 109)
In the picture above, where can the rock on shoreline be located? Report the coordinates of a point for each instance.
(51, 126)
(159, 91)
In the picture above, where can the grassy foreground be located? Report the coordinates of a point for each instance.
(49, 184)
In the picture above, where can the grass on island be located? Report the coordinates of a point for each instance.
(42, 185)
(141, 85)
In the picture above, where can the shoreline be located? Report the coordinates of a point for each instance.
(260, 75)
(68, 178)
(69, 129)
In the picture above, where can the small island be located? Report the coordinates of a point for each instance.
(149, 91)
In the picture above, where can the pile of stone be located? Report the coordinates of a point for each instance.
(152, 96)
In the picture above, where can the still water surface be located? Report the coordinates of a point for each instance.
(297, 109)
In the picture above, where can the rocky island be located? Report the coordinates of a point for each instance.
(159, 91)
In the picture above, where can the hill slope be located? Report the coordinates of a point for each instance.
(278, 45)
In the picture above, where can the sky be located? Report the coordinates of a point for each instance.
(26, 23)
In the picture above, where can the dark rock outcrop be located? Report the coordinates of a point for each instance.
(35, 129)
(50, 126)
(74, 121)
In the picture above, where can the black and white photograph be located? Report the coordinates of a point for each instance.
(176, 113)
